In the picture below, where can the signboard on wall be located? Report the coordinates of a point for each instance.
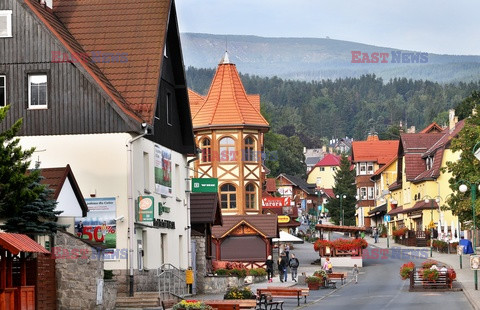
(283, 219)
(204, 185)
(99, 225)
(269, 202)
(163, 170)
(145, 209)
(285, 190)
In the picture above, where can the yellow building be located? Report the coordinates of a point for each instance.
(383, 178)
(421, 187)
(323, 173)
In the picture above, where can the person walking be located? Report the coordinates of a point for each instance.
(327, 266)
(269, 264)
(287, 252)
(293, 263)
(375, 234)
(282, 267)
(355, 273)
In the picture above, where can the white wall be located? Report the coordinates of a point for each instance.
(99, 164)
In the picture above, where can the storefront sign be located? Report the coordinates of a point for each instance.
(285, 190)
(163, 171)
(145, 209)
(269, 202)
(283, 219)
(164, 224)
(475, 262)
(162, 209)
(207, 185)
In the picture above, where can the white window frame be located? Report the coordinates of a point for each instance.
(371, 193)
(362, 168)
(8, 15)
(370, 168)
(322, 169)
(4, 77)
(40, 106)
(363, 193)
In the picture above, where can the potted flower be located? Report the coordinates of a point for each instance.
(320, 273)
(406, 269)
(430, 275)
(236, 292)
(429, 263)
(314, 282)
(191, 305)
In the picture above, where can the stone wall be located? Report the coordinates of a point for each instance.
(144, 281)
(201, 263)
(219, 284)
(77, 272)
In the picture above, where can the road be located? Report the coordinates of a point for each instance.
(379, 287)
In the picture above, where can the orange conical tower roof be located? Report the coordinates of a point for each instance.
(227, 102)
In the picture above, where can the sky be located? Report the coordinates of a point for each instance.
(433, 26)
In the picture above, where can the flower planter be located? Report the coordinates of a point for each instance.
(313, 286)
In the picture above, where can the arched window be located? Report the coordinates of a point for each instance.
(228, 195)
(250, 193)
(227, 149)
(249, 150)
(206, 151)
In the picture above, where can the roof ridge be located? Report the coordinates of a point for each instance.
(218, 97)
(235, 95)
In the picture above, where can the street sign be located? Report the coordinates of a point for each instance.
(204, 185)
(386, 218)
(474, 262)
(283, 219)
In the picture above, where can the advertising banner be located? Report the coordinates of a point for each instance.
(204, 185)
(163, 171)
(269, 202)
(99, 225)
(145, 209)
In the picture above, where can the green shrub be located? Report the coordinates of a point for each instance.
(238, 272)
(239, 293)
(222, 272)
(257, 272)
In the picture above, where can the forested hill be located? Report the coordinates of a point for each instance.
(310, 59)
(349, 106)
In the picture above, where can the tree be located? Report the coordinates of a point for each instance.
(284, 155)
(344, 185)
(25, 204)
(467, 168)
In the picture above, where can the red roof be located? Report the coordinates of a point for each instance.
(380, 151)
(395, 211)
(114, 27)
(271, 185)
(227, 102)
(326, 227)
(329, 160)
(196, 100)
(380, 170)
(16, 243)
(421, 205)
(433, 127)
(329, 192)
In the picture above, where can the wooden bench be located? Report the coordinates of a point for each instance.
(265, 302)
(441, 282)
(242, 303)
(337, 275)
(223, 304)
(285, 292)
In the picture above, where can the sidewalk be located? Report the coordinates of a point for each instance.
(465, 276)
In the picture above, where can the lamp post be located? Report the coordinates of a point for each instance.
(431, 225)
(473, 191)
(341, 197)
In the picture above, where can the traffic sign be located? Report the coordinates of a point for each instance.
(386, 218)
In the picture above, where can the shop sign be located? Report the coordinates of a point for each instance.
(145, 209)
(269, 202)
(283, 219)
(204, 185)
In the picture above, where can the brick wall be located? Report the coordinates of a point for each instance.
(45, 286)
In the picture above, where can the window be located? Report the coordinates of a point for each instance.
(429, 163)
(169, 109)
(3, 90)
(5, 23)
(369, 168)
(250, 201)
(228, 195)
(249, 151)
(227, 149)
(146, 173)
(363, 193)
(37, 91)
(363, 168)
(334, 168)
(206, 151)
(370, 193)
(322, 169)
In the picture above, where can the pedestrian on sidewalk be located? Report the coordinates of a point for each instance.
(355, 273)
(287, 252)
(293, 263)
(269, 264)
(282, 267)
(327, 266)
(375, 234)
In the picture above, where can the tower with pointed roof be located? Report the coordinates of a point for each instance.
(229, 129)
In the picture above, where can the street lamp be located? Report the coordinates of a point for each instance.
(473, 190)
(430, 199)
(341, 197)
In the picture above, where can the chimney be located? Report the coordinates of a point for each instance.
(411, 129)
(49, 3)
(451, 119)
(324, 148)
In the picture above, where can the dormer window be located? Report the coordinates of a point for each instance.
(5, 23)
(369, 168)
(429, 163)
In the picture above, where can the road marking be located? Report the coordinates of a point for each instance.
(395, 297)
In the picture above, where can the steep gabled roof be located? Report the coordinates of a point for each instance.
(265, 224)
(329, 160)
(381, 169)
(205, 209)
(196, 100)
(380, 151)
(227, 103)
(307, 188)
(413, 146)
(433, 127)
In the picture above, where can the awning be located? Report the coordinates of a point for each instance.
(396, 210)
(379, 209)
(286, 237)
(205, 209)
(16, 243)
(351, 229)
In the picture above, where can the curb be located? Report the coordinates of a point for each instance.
(470, 298)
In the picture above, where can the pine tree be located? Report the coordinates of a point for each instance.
(25, 204)
(344, 185)
(467, 168)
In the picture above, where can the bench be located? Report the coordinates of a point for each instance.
(285, 292)
(242, 303)
(265, 300)
(337, 275)
(441, 282)
(223, 304)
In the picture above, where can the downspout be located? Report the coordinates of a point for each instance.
(189, 226)
(131, 207)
